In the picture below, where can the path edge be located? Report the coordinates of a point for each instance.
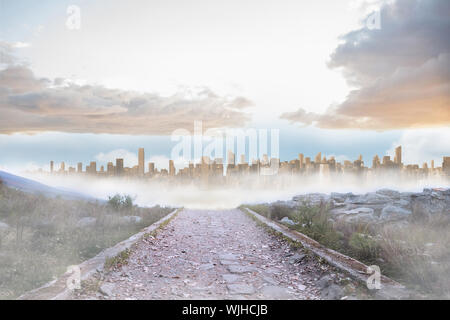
(390, 289)
(58, 290)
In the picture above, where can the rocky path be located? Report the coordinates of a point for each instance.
(212, 255)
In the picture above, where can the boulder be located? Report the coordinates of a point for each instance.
(388, 193)
(288, 221)
(370, 198)
(357, 215)
(390, 213)
(3, 226)
(86, 222)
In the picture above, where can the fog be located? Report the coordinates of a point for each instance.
(247, 190)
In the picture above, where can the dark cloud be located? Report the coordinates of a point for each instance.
(402, 71)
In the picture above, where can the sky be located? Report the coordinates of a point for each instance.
(343, 77)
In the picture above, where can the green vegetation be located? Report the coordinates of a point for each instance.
(40, 237)
(416, 254)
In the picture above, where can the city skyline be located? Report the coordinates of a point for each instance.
(341, 86)
(265, 165)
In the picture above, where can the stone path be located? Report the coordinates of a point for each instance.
(212, 255)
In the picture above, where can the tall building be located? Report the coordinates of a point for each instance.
(301, 158)
(119, 167)
(110, 168)
(231, 160)
(79, 167)
(318, 158)
(141, 162)
(151, 168)
(446, 166)
(93, 167)
(398, 155)
(63, 167)
(51, 166)
(242, 158)
(171, 168)
(376, 162)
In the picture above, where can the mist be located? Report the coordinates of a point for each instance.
(246, 190)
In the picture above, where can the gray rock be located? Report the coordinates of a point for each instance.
(358, 215)
(332, 292)
(324, 282)
(231, 278)
(86, 222)
(240, 288)
(389, 193)
(390, 213)
(132, 219)
(3, 226)
(275, 293)
(107, 289)
(371, 198)
(240, 269)
(296, 258)
(287, 221)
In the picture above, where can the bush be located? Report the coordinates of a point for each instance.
(120, 202)
(364, 247)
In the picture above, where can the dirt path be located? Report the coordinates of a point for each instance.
(212, 255)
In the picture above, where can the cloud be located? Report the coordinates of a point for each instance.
(30, 104)
(401, 71)
(423, 145)
(130, 159)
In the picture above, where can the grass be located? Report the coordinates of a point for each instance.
(417, 255)
(45, 235)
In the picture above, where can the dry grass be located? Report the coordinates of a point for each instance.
(416, 254)
(44, 236)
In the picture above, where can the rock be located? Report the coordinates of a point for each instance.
(231, 278)
(389, 193)
(132, 219)
(240, 288)
(107, 289)
(275, 293)
(86, 222)
(324, 282)
(301, 287)
(206, 266)
(3, 226)
(227, 256)
(332, 292)
(240, 269)
(371, 198)
(390, 213)
(358, 215)
(288, 221)
(296, 258)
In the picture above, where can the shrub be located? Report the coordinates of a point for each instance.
(364, 247)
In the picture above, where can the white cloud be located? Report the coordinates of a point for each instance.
(130, 159)
(424, 145)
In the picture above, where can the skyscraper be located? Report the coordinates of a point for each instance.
(300, 158)
(242, 158)
(119, 167)
(79, 167)
(51, 166)
(230, 158)
(318, 158)
(141, 162)
(398, 155)
(171, 168)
